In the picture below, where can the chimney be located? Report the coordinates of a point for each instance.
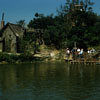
(2, 21)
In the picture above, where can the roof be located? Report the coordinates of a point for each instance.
(16, 29)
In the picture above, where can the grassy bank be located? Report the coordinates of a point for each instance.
(17, 58)
(53, 55)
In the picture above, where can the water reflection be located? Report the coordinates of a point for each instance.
(49, 81)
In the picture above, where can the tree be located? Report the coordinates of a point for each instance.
(59, 30)
(21, 23)
(40, 21)
(87, 4)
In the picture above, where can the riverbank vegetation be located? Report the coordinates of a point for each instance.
(17, 58)
(75, 22)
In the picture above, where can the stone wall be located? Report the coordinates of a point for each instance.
(10, 41)
(0, 46)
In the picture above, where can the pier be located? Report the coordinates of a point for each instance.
(85, 62)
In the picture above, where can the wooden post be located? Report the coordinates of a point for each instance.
(75, 50)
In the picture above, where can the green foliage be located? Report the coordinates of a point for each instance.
(13, 58)
(21, 23)
(26, 57)
(87, 4)
(28, 46)
(59, 31)
(10, 58)
(41, 21)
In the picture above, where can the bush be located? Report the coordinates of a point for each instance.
(13, 58)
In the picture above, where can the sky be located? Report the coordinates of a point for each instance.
(16, 10)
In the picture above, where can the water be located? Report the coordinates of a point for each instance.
(49, 81)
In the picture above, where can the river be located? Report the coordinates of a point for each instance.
(49, 81)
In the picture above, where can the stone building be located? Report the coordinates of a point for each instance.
(10, 35)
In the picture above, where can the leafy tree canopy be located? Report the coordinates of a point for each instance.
(60, 31)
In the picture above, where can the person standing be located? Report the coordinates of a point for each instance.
(67, 53)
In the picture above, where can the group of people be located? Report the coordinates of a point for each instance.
(77, 53)
(74, 53)
(91, 51)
